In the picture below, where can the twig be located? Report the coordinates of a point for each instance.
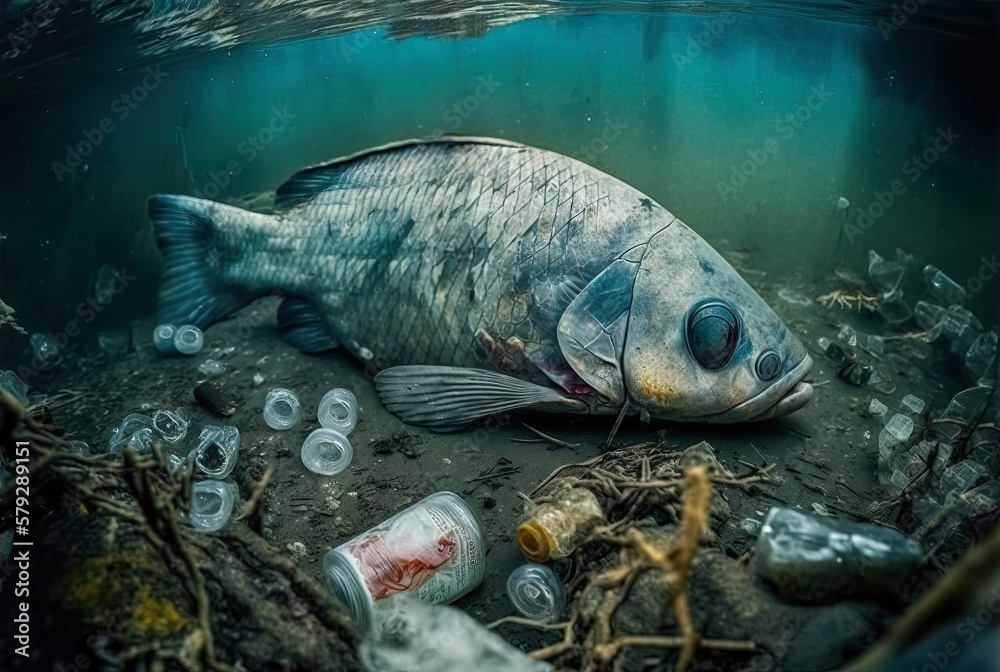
(257, 495)
(557, 442)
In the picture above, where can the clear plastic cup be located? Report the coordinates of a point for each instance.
(171, 425)
(537, 593)
(216, 455)
(211, 504)
(188, 339)
(327, 452)
(282, 409)
(163, 339)
(338, 409)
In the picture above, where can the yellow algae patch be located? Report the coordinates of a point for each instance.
(91, 580)
(155, 615)
(651, 386)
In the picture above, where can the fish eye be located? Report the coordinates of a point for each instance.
(713, 332)
(768, 365)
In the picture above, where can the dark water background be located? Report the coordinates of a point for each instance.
(748, 123)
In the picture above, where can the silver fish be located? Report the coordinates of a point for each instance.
(481, 276)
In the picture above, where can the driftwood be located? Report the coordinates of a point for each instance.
(140, 589)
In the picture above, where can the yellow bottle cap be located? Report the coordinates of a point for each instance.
(535, 541)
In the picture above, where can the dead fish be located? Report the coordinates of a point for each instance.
(481, 276)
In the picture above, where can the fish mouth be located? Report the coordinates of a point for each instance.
(785, 396)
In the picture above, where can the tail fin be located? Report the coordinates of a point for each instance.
(191, 291)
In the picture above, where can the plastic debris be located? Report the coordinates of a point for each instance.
(961, 328)
(211, 504)
(171, 425)
(812, 558)
(873, 344)
(218, 451)
(750, 526)
(848, 339)
(820, 509)
(878, 410)
(338, 409)
(900, 427)
(434, 549)
(537, 593)
(928, 315)
(962, 414)
(257, 379)
(961, 477)
(943, 288)
(411, 636)
(281, 408)
(163, 339)
(983, 498)
(81, 448)
(556, 528)
(893, 308)
(188, 339)
(212, 367)
(46, 350)
(982, 355)
(11, 383)
(885, 275)
(327, 452)
(136, 431)
(912, 404)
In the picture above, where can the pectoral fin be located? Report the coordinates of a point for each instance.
(446, 398)
(592, 330)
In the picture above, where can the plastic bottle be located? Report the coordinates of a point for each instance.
(188, 339)
(537, 593)
(943, 288)
(281, 408)
(163, 339)
(434, 549)
(811, 558)
(338, 409)
(327, 452)
(556, 528)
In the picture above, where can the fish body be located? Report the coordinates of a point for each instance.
(482, 276)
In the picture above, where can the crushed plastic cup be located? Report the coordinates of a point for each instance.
(81, 448)
(163, 339)
(212, 367)
(750, 526)
(338, 409)
(136, 430)
(928, 315)
(878, 410)
(981, 355)
(961, 477)
(893, 308)
(327, 451)
(188, 339)
(211, 504)
(885, 275)
(46, 350)
(912, 404)
(537, 593)
(171, 425)
(900, 427)
(281, 408)
(218, 451)
(943, 288)
(10, 382)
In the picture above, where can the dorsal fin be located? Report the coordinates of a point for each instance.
(304, 185)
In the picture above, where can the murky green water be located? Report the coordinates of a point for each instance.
(749, 128)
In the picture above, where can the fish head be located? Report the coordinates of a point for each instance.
(701, 344)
